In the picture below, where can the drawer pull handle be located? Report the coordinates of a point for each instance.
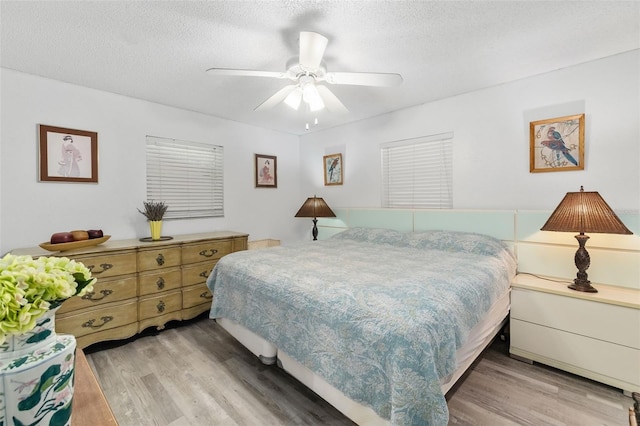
(208, 253)
(104, 293)
(89, 324)
(160, 259)
(204, 274)
(160, 283)
(160, 306)
(104, 266)
(206, 295)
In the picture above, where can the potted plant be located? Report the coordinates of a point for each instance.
(154, 212)
(31, 353)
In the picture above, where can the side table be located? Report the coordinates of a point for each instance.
(90, 407)
(594, 335)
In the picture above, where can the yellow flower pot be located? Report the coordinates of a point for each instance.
(156, 229)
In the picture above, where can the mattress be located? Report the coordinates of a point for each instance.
(377, 314)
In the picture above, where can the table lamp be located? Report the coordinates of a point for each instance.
(584, 212)
(315, 207)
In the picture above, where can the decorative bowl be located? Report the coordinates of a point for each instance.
(74, 244)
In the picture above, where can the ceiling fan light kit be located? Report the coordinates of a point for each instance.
(312, 97)
(307, 73)
(294, 99)
(305, 91)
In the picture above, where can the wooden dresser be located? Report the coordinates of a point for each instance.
(140, 284)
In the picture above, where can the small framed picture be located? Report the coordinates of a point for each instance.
(266, 170)
(333, 169)
(557, 144)
(68, 155)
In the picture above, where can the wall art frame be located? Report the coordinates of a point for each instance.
(266, 171)
(333, 169)
(557, 144)
(68, 155)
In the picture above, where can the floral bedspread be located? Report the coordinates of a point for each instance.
(378, 314)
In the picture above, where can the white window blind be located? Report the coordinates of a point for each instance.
(417, 173)
(187, 176)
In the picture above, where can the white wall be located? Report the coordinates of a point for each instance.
(491, 141)
(30, 211)
(491, 154)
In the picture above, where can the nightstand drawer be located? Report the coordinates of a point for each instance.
(577, 354)
(111, 316)
(195, 295)
(104, 291)
(162, 257)
(159, 305)
(154, 282)
(110, 265)
(602, 321)
(211, 250)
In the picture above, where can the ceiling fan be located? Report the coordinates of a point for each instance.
(307, 74)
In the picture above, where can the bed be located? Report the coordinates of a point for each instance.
(379, 323)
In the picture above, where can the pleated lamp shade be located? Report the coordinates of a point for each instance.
(584, 212)
(315, 207)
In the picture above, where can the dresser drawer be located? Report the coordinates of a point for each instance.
(110, 265)
(104, 291)
(116, 333)
(163, 280)
(211, 250)
(196, 273)
(588, 318)
(159, 305)
(110, 316)
(195, 295)
(161, 257)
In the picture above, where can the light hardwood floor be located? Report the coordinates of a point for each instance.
(197, 374)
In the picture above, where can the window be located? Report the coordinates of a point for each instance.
(187, 176)
(417, 173)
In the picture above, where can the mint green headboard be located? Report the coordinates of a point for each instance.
(497, 223)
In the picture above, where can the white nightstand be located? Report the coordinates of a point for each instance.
(594, 335)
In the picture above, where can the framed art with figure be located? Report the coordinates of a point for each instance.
(68, 155)
(266, 171)
(333, 169)
(557, 144)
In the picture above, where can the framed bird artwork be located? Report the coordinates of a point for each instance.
(333, 169)
(557, 144)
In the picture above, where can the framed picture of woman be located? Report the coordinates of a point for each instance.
(266, 171)
(68, 155)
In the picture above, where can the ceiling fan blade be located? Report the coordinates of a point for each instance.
(312, 47)
(278, 97)
(331, 102)
(364, 78)
(246, 73)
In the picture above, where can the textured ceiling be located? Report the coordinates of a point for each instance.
(159, 50)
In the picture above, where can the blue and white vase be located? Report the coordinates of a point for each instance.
(36, 376)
